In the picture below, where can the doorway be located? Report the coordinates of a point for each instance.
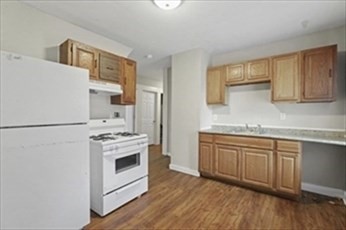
(148, 113)
(148, 118)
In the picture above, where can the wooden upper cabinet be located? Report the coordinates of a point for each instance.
(303, 76)
(110, 67)
(85, 57)
(216, 85)
(258, 70)
(128, 82)
(80, 55)
(285, 77)
(319, 74)
(102, 66)
(255, 71)
(235, 74)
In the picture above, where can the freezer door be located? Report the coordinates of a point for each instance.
(45, 178)
(39, 92)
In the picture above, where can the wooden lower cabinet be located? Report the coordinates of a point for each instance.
(227, 162)
(261, 163)
(206, 154)
(288, 179)
(257, 167)
(288, 167)
(206, 158)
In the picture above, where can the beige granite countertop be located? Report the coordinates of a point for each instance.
(318, 136)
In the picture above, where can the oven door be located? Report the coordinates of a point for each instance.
(124, 164)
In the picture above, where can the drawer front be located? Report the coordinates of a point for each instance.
(261, 143)
(205, 137)
(289, 146)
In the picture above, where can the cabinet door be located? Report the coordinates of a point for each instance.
(288, 173)
(235, 74)
(206, 158)
(216, 85)
(318, 74)
(257, 167)
(227, 162)
(85, 57)
(129, 81)
(110, 67)
(258, 70)
(285, 77)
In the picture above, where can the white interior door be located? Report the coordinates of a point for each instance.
(148, 118)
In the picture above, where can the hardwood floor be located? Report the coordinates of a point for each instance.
(180, 201)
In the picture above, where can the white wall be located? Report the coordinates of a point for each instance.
(30, 32)
(150, 82)
(188, 73)
(323, 165)
(101, 107)
(166, 111)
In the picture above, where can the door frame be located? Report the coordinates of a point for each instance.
(138, 110)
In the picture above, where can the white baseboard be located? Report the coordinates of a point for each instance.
(184, 170)
(333, 192)
(167, 154)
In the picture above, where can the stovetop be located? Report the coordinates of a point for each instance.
(116, 136)
(111, 131)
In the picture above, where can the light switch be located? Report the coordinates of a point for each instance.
(282, 116)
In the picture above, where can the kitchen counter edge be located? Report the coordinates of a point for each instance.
(317, 139)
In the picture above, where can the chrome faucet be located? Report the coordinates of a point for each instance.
(246, 127)
(259, 128)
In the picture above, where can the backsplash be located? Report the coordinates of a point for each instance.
(101, 108)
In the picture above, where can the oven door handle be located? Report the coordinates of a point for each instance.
(117, 150)
(127, 187)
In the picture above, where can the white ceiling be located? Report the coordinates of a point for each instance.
(216, 26)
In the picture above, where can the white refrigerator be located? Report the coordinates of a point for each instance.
(44, 110)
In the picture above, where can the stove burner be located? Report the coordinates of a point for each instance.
(103, 137)
(126, 134)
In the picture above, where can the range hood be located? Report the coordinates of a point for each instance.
(105, 88)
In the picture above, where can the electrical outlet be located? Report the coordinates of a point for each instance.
(214, 117)
(282, 116)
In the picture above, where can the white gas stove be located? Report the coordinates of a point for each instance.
(118, 165)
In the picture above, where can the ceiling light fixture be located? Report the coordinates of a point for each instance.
(167, 4)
